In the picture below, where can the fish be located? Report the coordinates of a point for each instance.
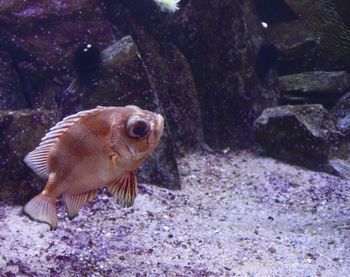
(89, 150)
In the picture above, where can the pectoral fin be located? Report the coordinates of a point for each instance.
(75, 201)
(124, 189)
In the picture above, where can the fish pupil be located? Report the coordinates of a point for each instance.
(140, 131)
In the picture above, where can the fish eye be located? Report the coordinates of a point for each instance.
(138, 128)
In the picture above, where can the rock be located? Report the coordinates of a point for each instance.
(343, 9)
(222, 51)
(308, 135)
(168, 70)
(20, 133)
(122, 80)
(323, 17)
(340, 158)
(11, 93)
(43, 35)
(318, 87)
(340, 167)
(341, 114)
(303, 135)
(321, 41)
(316, 82)
(299, 51)
(272, 11)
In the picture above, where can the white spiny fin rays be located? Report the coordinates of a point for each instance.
(43, 206)
(75, 201)
(37, 159)
(124, 189)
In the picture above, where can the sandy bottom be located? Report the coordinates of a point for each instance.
(237, 215)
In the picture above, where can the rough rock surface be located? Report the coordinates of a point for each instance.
(341, 113)
(12, 95)
(316, 81)
(167, 68)
(123, 80)
(237, 215)
(343, 8)
(20, 132)
(322, 39)
(319, 87)
(325, 19)
(273, 11)
(42, 37)
(302, 134)
(340, 157)
(221, 40)
(299, 51)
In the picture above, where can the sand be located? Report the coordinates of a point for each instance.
(238, 214)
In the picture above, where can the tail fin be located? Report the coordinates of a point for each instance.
(42, 208)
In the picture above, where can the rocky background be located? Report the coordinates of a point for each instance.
(224, 83)
(221, 79)
(310, 128)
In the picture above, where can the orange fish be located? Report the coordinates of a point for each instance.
(89, 150)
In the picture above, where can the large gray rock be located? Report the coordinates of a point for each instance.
(122, 80)
(325, 17)
(168, 70)
(343, 9)
(319, 40)
(316, 82)
(12, 94)
(340, 157)
(299, 50)
(303, 135)
(341, 114)
(272, 11)
(221, 40)
(319, 87)
(42, 36)
(20, 132)
(308, 135)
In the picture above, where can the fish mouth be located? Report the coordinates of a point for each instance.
(160, 123)
(158, 127)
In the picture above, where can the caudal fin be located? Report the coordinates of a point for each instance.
(42, 208)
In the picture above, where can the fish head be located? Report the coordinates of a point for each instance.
(135, 134)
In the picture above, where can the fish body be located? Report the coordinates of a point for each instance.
(90, 150)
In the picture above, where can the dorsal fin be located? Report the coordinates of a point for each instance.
(37, 159)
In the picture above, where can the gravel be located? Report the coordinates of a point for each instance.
(238, 214)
